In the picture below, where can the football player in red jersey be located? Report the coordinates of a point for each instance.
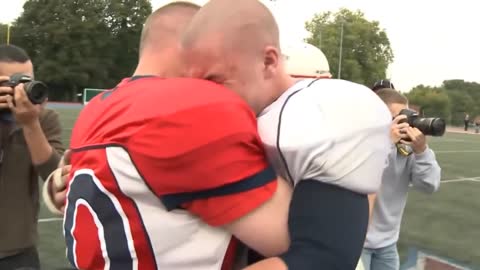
(168, 172)
(332, 165)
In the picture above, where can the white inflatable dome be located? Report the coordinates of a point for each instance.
(305, 61)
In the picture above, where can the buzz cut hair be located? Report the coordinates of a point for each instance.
(392, 96)
(13, 54)
(176, 6)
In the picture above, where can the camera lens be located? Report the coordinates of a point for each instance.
(438, 127)
(430, 126)
(37, 92)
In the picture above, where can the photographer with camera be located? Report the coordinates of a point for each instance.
(411, 163)
(30, 146)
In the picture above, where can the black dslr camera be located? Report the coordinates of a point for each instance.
(37, 91)
(428, 126)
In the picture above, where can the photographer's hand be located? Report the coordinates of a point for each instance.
(417, 140)
(28, 116)
(25, 112)
(5, 91)
(398, 131)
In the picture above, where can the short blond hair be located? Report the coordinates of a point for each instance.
(184, 8)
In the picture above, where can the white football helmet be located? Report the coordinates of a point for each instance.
(303, 60)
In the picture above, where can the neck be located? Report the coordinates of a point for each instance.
(283, 84)
(146, 69)
(156, 64)
(287, 82)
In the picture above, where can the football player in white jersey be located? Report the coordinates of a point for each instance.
(303, 60)
(329, 138)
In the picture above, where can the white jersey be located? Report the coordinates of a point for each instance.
(329, 130)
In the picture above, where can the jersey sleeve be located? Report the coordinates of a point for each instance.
(208, 160)
(340, 145)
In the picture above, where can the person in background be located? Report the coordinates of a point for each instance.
(466, 120)
(418, 168)
(477, 124)
(30, 146)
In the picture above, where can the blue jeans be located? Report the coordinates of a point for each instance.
(386, 258)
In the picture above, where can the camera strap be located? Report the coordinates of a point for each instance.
(403, 149)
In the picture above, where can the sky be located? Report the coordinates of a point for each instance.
(432, 40)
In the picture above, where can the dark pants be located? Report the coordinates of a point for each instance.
(466, 125)
(27, 260)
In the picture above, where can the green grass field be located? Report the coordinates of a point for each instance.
(445, 223)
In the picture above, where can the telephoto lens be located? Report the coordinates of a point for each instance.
(37, 91)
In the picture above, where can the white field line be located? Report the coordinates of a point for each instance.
(452, 140)
(42, 220)
(457, 151)
(466, 179)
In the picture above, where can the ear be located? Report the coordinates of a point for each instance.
(271, 61)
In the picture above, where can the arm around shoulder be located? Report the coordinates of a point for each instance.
(265, 229)
(426, 173)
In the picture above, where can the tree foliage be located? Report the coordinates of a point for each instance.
(81, 43)
(3, 33)
(465, 98)
(366, 50)
(434, 101)
(451, 100)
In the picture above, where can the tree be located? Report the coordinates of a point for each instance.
(366, 51)
(79, 43)
(125, 19)
(3, 33)
(465, 98)
(434, 102)
(461, 96)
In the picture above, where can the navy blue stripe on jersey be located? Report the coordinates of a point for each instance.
(327, 226)
(83, 190)
(174, 201)
(136, 77)
(147, 236)
(106, 94)
(282, 157)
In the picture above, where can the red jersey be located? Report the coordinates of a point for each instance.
(158, 165)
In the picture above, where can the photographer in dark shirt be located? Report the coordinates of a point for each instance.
(30, 146)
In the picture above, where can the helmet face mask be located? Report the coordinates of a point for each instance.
(303, 60)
